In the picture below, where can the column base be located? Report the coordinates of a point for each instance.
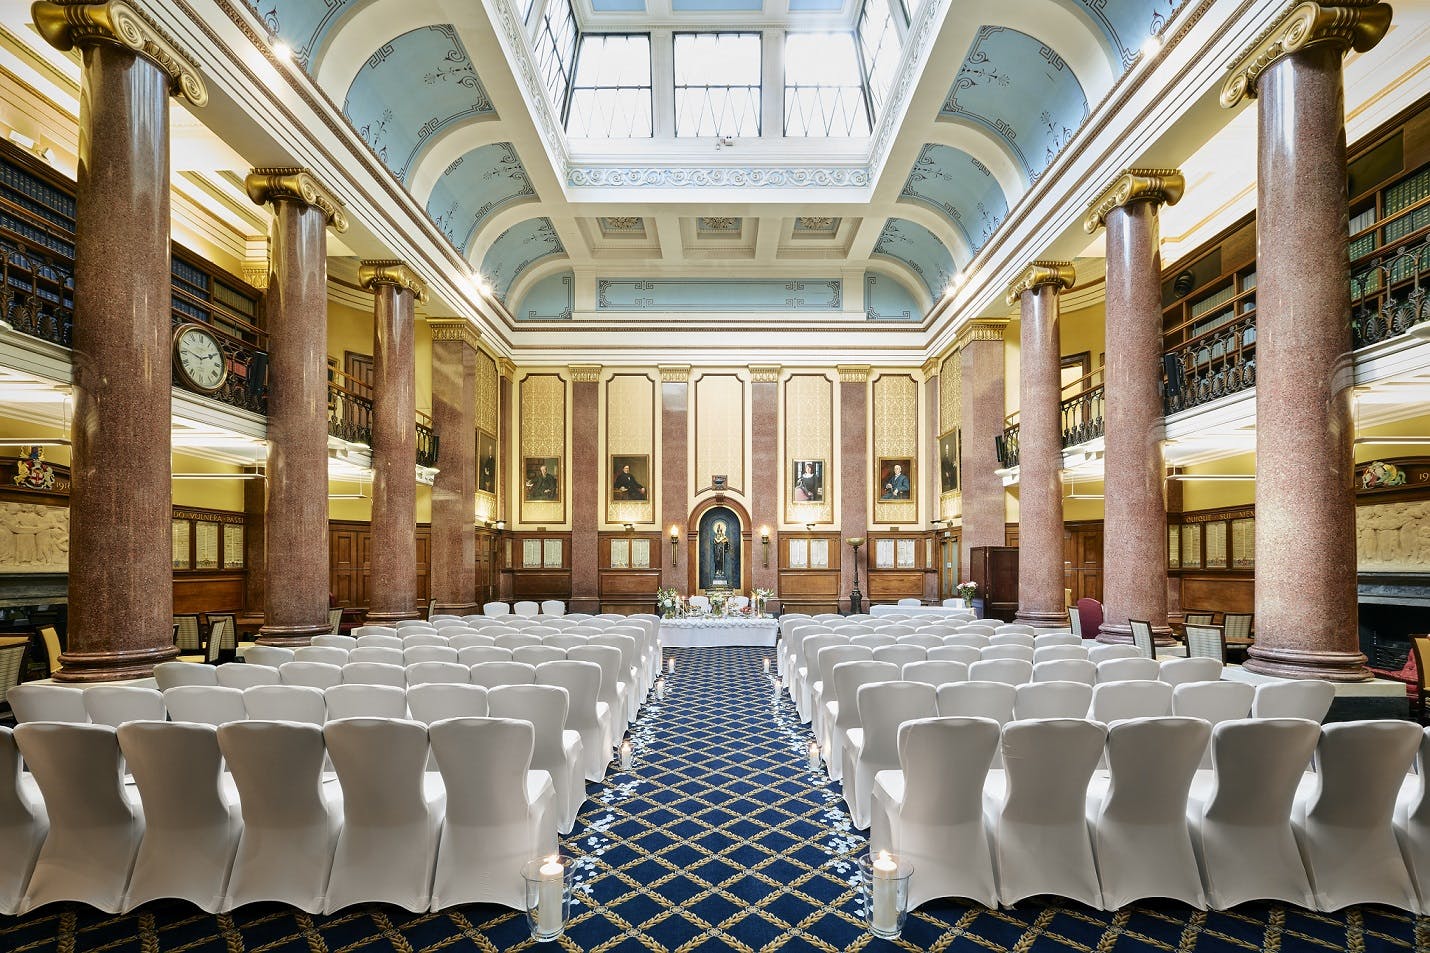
(390, 616)
(457, 608)
(1298, 663)
(290, 636)
(113, 666)
(1121, 634)
(590, 605)
(1041, 618)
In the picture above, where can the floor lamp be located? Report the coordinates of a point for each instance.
(856, 598)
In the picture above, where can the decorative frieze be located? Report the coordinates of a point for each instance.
(1352, 24)
(455, 329)
(980, 330)
(373, 273)
(296, 185)
(674, 373)
(66, 24)
(1041, 273)
(585, 373)
(853, 373)
(764, 373)
(1135, 185)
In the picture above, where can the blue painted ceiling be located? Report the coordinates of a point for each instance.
(885, 299)
(1128, 23)
(303, 24)
(1020, 89)
(553, 298)
(959, 187)
(917, 247)
(516, 249)
(474, 187)
(410, 89)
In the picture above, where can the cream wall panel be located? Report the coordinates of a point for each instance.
(542, 409)
(894, 409)
(807, 422)
(720, 435)
(950, 412)
(629, 423)
(487, 416)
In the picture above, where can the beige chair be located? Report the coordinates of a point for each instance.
(51, 638)
(12, 667)
(335, 620)
(1206, 641)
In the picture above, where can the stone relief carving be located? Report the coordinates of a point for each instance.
(1393, 537)
(34, 538)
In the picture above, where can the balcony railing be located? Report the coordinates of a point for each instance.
(39, 292)
(426, 441)
(350, 416)
(1082, 418)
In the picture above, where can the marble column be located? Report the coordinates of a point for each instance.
(764, 505)
(453, 558)
(933, 425)
(982, 405)
(392, 590)
(1305, 500)
(1041, 580)
(120, 598)
(506, 503)
(1134, 573)
(585, 486)
(296, 606)
(854, 482)
(674, 471)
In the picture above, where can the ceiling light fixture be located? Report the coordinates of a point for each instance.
(35, 442)
(1152, 45)
(281, 49)
(1211, 476)
(1393, 441)
(218, 476)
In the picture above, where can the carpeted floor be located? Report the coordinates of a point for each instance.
(719, 839)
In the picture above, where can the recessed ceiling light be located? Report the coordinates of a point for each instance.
(1151, 45)
(282, 50)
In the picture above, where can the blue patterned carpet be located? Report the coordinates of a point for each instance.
(719, 839)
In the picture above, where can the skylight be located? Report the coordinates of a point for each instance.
(717, 84)
(823, 92)
(611, 96)
(879, 48)
(555, 47)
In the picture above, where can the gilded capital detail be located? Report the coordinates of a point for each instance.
(1351, 25)
(764, 373)
(674, 373)
(459, 330)
(585, 373)
(390, 272)
(1135, 185)
(980, 330)
(1039, 273)
(505, 367)
(854, 373)
(297, 185)
(66, 24)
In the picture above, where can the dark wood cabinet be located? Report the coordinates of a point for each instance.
(995, 569)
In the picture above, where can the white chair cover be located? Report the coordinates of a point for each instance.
(392, 812)
(321, 653)
(269, 655)
(1020, 627)
(212, 705)
(95, 821)
(1181, 671)
(453, 673)
(930, 812)
(874, 745)
(1066, 670)
(434, 701)
(934, 672)
(429, 653)
(910, 602)
(311, 674)
(496, 609)
(503, 672)
(841, 710)
(365, 701)
(1128, 669)
(381, 654)
(363, 631)
(1212, 702)
(975, 640)
(476, 654)
(553, 607)
(1052, 700)
(526, 608)
(515, 640)
(1343, 816)
(1051, 639)
(821, 681)
(301, 703)
(113, 705)
(23, 824)
(169, 674)
(1040, 835)
(806, 671)
(389, 641)
(536, 654)
(866, 639)
(1104, 653)
(557, 751)
(500, 814)
(425, 639)
(1241, 821)
(1011, 638)
(967, 654)
(345, 642)
(472, 640)
(630, 668)
(31, 702)
(192, 820)
(972, 699)
(901, 654)
(291, 819)
(1114, 701)
(1052, 653)
(1010, 671)
(1021, 652)
(613, 688)
(1412, 823)
(405, 626)
(1294, 698)
(586, 713)
(375, 673)
(243, 675)
(1138, 813)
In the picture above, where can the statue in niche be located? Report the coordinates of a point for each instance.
(720, 554)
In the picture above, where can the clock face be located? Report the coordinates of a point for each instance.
(201, 361)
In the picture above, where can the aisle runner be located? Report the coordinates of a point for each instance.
(718, 839)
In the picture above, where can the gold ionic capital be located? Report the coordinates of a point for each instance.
(391, 272)
(1135, 185)
(764, 373)
(66, 24)
(297, 185)
(674, 373)
(1351, 24)
(980, 330)
(854, 373)
(584, 373)
(1039, 273)
(459, 330)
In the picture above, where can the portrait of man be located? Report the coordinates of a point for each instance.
(948, 462)
(486, 463)
(895, 476)
(808, 481)
(630, 478)
(540, 484)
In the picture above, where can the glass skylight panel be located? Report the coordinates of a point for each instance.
(611, 97)
(879, 48)
(824, 95)
(556, 48)
(717, 84)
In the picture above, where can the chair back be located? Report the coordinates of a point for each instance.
(322, 653)
(221, 636)
(385, 640)
(189, 639)
(424, 639)
(966, 654)
(868, 640)
(1196, 617)
(568, 640)
(1050, 639)
(205, 704)
(1012, 638)
(1050, 653)
(901, 654)
(1023, 652)
(1151, 763)
(1205, 641)
(544, 706)
(113, 705)
(503, 672)
(63, 703)
(335, 621)
(476, 654)
(821, 668)
(883, 707)
(1144, 698)
(1213, 702)
(177, 767)
(553, 607)
(363, 631)
(924, 639)
(77, 769)
(430, 653)
(526, 608)
(536, 654)
(1052, 700)
(313, 674)
(582, 681)
(365, 701)
(374, 673)
(1360, 766)
(1142, 638)
(934, 672)
(435, 701)
(472, 640)
(1180, 671)
(1090, 613)
(515, 640)
(452, 673)
(849, 677)
(384, 654)
(1302, 698)
(51, 637)
(380, 763)
(300, 703)
(243, 675)
(945, 762)
(496, 609)
(977, 700)
(484, 763)
(609, 659)
(170, 674)
(277, 768)
(975, 640)
(1237, 625)
(1106, 653)
(1075, 621)
(269, 655)
(1049, 762)
(345, 642)
(1127, 669)
(1009, 671)
(1258, 762)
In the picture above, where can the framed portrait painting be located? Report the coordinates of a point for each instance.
(486, 462)
(896, 478)
(948, 462)
(541, 480)
(630, 478)
(808, 477)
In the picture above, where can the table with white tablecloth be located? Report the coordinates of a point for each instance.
(694, 633)
(877, 611)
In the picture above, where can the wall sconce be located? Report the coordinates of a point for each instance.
(765, 540)
(809, 527)
(674, 542)
(501, 524)
(630, 527)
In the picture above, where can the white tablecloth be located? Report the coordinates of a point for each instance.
(877, 611)
(688, 633)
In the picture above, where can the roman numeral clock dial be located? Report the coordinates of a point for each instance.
(198, 358)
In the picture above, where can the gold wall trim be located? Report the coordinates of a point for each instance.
(674, 373)
(585, 373)
(505, 368)
(1352, 24)
(853, 373)
(931, 367)
(981, 330)
(460, 330)
(66, 24)
(298, 185)
(385, 271)
(1039, 273)
(1135, 185)
(764, 373)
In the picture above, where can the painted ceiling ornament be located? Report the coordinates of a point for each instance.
(32, 472)
(1350, 25)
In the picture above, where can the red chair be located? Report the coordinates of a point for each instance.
(1409, 673)
(1090, 612)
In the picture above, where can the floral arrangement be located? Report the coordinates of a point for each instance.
(762, 597)
(717, 603)
(668, 601)
(967, 591)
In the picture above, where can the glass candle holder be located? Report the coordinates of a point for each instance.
(884, 891)
(813, 752)
(627, 755)
(660, 689)
(548, 895)
(670, 665)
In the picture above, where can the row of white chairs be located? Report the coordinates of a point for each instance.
(240, 813)
(1287, 811)
(525, 607)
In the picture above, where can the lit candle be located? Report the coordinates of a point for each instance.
(814, 755)
(660, 689)
(767, 665)
(551, 900)
(626, 755)
(886, 887)
(670, 665)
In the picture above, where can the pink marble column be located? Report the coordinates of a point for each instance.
(1305, 502)
(674, 471)
(764, 502)
(1041, 600)
(297, 310)
(854, 482)
(506, 504)
(1134, 577)
(120, 598)
(985, 515)
(585, 485)
(933, 466)
(392, 593)
(453, 558)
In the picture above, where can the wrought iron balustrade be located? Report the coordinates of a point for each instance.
(1213, 364)
(1083, 416)
(1388, 287)
(349, 408)
(39, 292)
(1008, 445)
(426, 442)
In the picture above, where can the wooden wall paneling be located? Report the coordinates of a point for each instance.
(805, 589)
(889, 584)
(628, 589)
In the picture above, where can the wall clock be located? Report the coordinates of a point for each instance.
(198, 357)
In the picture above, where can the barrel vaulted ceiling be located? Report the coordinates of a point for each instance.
(892, 218)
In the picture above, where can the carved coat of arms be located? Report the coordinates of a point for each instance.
(33, 473)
